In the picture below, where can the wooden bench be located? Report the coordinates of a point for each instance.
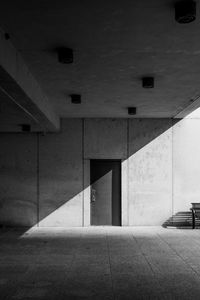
(195, 212)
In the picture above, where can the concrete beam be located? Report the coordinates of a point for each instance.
(17, 82)
(195, 104)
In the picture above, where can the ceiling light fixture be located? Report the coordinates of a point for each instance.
(148, 82)
(25, 127)
(7, 36)
(75, 98)
(65, 55)
(132, 110)
(185, 11)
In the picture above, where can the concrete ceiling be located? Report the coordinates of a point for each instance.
(115, 43)
(12, 117)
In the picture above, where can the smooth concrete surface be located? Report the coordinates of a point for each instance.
(186, 162)
(12, 116)
(45, 179)
(150, 171)
(20, 86)
(105, 138)
(18, 180)
(100, 263)
(61, 176)
(115, 44)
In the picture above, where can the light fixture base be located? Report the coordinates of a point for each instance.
(65, 55)
(132, 110)
(75, 98)
(148, 82)
(185, 11)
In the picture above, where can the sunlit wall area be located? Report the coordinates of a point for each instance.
(150, 171)
(186, 163)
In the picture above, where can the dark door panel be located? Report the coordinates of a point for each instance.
(105, 192)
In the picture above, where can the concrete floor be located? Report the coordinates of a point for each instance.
(100, 263)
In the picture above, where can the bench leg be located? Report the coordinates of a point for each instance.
(193, 220)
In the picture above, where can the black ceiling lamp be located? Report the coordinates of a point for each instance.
(148, 82)
(75, 98)
(132, 110)
(65, 55)
(185, 11)
(7, 36)
(25, 127)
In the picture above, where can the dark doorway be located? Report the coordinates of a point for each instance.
(105, 180)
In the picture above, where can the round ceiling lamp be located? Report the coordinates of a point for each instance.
(185, 11)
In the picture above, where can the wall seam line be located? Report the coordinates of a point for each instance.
(38, 183)
(127, 221)
(172, 170)
(83, 175)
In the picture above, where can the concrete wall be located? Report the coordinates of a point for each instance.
(105, 138)
(150, 171)
(186, 164)
(41, 179)
(44, 180)
(18, 179)
(61, 176)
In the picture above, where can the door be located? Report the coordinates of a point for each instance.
(105, 180)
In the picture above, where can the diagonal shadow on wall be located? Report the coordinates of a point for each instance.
(42, 177)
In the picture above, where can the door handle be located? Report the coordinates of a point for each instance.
(93, 195)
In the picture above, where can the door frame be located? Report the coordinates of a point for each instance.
(110, 160)
(86, 213)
